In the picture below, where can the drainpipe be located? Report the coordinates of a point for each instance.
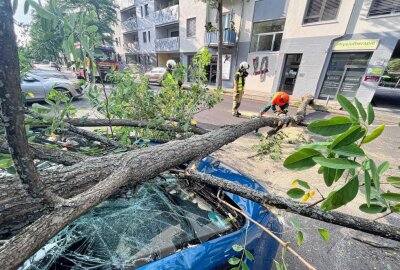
(240, 30)
(330, 49)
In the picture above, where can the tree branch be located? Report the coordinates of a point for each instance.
(348, 221)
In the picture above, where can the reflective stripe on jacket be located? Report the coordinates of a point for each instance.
(240, 81)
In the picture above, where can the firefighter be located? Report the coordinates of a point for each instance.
(171, 65)
(280, 99)
(238, 87)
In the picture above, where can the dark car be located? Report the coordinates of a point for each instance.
(167, 223)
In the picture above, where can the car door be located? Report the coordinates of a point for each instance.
(30, 84)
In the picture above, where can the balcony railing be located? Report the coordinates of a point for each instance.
(211, 38)
(126, 4)
(132, 47)
(167, 15)
(167, 44)
(129, 25)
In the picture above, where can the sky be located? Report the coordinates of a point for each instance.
(19, 16)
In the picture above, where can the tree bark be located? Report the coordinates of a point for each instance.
(131, 123)
(220, 44)
(12, 108)
(314, 212)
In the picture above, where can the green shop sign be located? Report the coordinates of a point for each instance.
(357, 44)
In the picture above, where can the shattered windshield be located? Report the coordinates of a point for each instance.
(160, 218)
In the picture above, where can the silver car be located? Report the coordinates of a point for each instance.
(37, 88)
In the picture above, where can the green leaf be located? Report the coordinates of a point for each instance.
(302, 183)
(237, 248)
(299, 238)
(374, 174)
(383, 168)
(336, 163)
(42, 12)
(391, 196)
(235, 268)
(234, 261)
(40, 109)
(361, 109)
(301, 160)
(350, 136)
(295, 193)
(5, 161)
(11, 170)
(320, 146)
(330, 127)
(244, 266)
(26, 7)
(395, 208)
(15, 6)
(92, 29)
(374, 134)
(342, 196)
(351, 150)
(394, 181)
(278, 266)
(367, 187)
(372, 208)
(331, 175)
(324, 235)
(371, 114)
(249, 255)
(346, 104)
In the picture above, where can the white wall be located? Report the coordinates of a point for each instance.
(146, 24)
(192, 9)
(295, 28)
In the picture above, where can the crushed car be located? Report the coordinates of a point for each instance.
(167, 223)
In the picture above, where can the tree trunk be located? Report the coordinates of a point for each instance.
(348, 221)
(12, 108)
(220, 44)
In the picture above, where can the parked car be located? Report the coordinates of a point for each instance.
(47, 65)
(39, 87)
(165, 224)
(156, 75)
(50, 74)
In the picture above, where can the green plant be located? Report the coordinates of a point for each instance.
(246, 255)
(343, 159)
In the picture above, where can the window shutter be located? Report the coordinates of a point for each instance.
(384, 7)
(321, 10)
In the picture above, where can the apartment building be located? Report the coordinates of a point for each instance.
(325, 47)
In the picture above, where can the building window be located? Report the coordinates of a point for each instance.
(144, 37)
(141, 11)
(148, 33)
(191, 27)
(267, 36)
(174, 34)
(384, 7)
(146, 10)
(321, 10)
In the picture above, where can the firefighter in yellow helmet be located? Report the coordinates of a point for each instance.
(238, 87)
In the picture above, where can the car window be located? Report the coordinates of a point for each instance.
(161, 218)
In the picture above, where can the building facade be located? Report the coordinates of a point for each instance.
(326, 47)
(317, 47)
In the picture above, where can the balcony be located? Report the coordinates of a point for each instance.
(129, 25)
(132, 47)
(211, 38)
(125, 4)
(167, 44)
(167, 15)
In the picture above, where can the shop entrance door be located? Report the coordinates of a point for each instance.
(351, 80)
(290, 71)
